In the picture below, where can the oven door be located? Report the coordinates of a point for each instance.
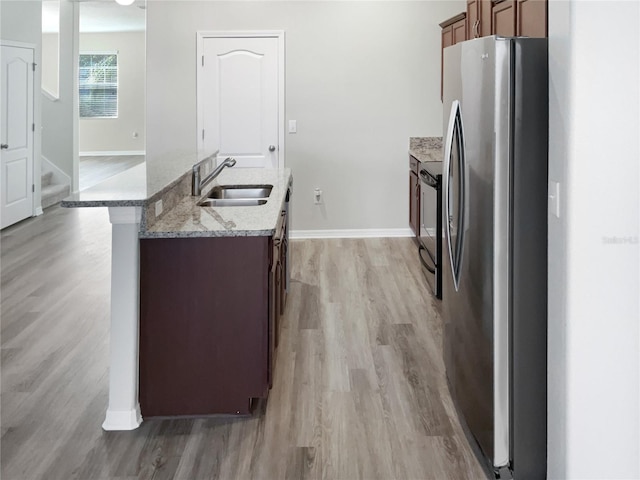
(429, 246)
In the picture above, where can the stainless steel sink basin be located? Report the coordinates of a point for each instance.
(241, 191)
(232, 202)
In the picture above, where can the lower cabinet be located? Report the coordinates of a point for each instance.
(209, 311)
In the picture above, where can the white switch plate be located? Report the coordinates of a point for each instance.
(554, 198)
(293, 126)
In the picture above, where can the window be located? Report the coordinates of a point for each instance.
(98, 85)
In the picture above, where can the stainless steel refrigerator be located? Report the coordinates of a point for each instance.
(495, 248)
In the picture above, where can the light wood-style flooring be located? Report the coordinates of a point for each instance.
(359, 390)
(94, 170)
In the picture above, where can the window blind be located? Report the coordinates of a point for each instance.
(98, 85)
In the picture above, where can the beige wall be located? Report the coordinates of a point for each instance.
(361, 78)
(117, 134)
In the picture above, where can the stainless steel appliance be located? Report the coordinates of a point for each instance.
(430, 232)
(495, 248)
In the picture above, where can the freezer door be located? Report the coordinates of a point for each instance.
(468, 261)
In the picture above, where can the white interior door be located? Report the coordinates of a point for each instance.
(239, 100)
(16, 157)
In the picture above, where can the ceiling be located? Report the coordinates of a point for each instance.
(98, 16)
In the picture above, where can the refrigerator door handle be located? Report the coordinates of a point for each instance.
(447, 177)
(455, 134)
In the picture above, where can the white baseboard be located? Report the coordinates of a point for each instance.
(38, 212)
(115, 153)
(59, 176)
(356, 233)
(117, 420)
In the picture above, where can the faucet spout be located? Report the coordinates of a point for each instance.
(197, 184)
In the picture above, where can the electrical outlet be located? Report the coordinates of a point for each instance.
(158, 208)
(317, 196)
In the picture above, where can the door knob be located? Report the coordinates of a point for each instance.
(4, 146)
(272, 148)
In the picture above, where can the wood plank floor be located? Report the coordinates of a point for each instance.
(94, 170)
(359, 390)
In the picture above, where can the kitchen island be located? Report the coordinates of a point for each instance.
(153, 202)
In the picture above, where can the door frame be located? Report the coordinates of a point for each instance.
(201, 35)
(36, 206)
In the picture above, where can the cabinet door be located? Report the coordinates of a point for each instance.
(460, 31)
(503, 18)
(485, 17)
(273, 315)
(532, 18)
(473, 19)
(283, 275)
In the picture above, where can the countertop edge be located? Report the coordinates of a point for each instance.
(102, 203)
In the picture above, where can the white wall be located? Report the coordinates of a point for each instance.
(594, 375)
(361, 78)
(50, 63)
(57, 116)
(117, 134)
(21, 21)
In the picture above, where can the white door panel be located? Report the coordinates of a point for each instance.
(239, 99)
(16, 171)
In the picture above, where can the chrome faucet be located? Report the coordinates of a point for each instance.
(197, 184)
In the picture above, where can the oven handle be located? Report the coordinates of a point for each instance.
(428, 179)
(424, 264)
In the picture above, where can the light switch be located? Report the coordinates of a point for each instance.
(554, 198)
(293, 126)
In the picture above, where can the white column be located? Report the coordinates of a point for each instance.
(123, 412)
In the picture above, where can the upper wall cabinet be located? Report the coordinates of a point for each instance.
(503, 18)
(478, 18)
(526, 18)
(531, 18)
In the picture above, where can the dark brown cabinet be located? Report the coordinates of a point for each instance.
(414, 196)
(527, 18)
(503, 18)
(478, 18)
(209, 311)
(531, 18)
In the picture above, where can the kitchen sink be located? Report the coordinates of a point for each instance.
(232, 202)
(241, 192)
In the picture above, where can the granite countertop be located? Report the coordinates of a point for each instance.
(170, 181)
(426, 149)
(126, 189)
(188, 219)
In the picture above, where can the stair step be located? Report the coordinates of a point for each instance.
(46, 179)
(53, 194)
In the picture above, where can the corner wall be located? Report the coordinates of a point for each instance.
(361, 78)
(57, 115)
(594, 372)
